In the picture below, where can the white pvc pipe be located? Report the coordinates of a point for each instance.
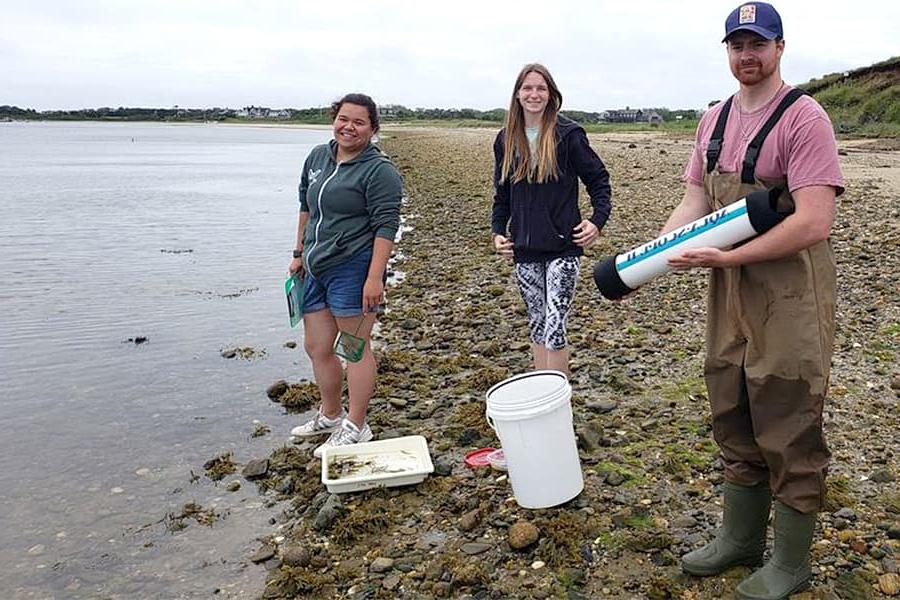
(748, 217)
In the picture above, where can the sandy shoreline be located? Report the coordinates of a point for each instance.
(456, 326)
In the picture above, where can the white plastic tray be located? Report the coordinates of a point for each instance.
(384, 463)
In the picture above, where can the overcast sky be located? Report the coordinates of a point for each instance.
(58, 54)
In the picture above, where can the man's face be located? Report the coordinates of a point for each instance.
(753, 58)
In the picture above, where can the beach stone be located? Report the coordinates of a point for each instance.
(397, 402)
(522, 534)
(889, 584)
(615, 479)
(845, 513)
(390, 582)
(290, 344)
(266, 552)
(36, 550)
(256, 468)
(601, 406)
(285, 485)
(473, 548)
(443, 465)
(233, 486)
(882, 476)
(469, 520)
(894, 533)
(684, 522)
(889, 565)
(382, 564)
(295, 556)
(328, 513)
(229, 353)
(276, 390)
(851, 586)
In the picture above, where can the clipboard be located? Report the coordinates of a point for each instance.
(294, 288)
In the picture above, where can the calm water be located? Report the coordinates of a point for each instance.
(182, 234)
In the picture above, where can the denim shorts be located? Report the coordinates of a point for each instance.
(339, 288)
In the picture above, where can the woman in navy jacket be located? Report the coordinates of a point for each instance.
(539, 157)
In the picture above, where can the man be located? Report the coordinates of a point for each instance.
(770, 322)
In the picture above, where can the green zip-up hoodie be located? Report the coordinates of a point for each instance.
(349, 204)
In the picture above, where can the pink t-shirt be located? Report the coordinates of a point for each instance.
(801, 148)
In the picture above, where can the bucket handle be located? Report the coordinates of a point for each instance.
(490, 420)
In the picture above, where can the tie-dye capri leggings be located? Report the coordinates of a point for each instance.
(548, 289)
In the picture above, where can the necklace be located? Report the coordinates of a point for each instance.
(751, 125)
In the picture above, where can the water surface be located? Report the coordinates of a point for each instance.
(177, 233)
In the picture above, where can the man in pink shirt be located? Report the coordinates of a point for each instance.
(770, 321)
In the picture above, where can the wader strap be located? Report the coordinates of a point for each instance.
(748, 171)
(715, 142)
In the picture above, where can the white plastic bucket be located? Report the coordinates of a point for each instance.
(532, 415)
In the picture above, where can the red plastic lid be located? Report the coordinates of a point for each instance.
(478, 458)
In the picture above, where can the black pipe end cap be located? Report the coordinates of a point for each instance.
(606, 276)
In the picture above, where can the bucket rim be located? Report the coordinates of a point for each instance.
(528, 375)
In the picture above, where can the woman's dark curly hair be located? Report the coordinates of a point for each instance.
(359, 100)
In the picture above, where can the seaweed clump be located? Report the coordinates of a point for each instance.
(369, 518)
(297, 582)
(220, 466)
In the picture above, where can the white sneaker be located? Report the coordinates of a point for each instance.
(318, 425)
(348, 433)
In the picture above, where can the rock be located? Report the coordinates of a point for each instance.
(390, 582)
(882, 476)
(277, 389)
(256, 468)
(851, 586)
(443, 465)
(894, 533)
(397, 402)
(233, 485)
(615, 479)
(470, 520)
(845, 513)
(588, 438)
(229, 353)
(847, 535)
(522, 534)
(290, 344)
(473, 548)
(889, 584)
(328, 513)
(36, 550)
(266, 552)
(538, 564)
(602, 406)
(889, 565)
(410, 324)
(684, 522)
(381, 564)
(285, 485)
(295, 556)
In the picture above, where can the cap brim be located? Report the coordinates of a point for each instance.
(769, 35)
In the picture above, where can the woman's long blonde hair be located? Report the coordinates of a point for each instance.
(517, 161)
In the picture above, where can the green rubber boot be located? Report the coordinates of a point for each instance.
(742, 538)
(787, 572)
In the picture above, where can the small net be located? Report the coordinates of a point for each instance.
(349, 346)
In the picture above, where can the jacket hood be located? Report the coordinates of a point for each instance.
(370, 152)
(565, 126)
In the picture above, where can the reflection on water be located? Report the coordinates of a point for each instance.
(109, 233)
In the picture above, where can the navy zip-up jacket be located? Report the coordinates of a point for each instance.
(541, 216)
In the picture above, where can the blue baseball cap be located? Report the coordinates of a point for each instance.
(757, 17)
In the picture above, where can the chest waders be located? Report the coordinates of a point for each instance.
(770, 331)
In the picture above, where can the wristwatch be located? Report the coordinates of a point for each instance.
(298, 253)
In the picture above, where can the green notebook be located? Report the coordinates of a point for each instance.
(293, 289)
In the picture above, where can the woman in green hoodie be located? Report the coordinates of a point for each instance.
(349, 214)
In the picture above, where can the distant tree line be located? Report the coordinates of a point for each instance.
(391, 112)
